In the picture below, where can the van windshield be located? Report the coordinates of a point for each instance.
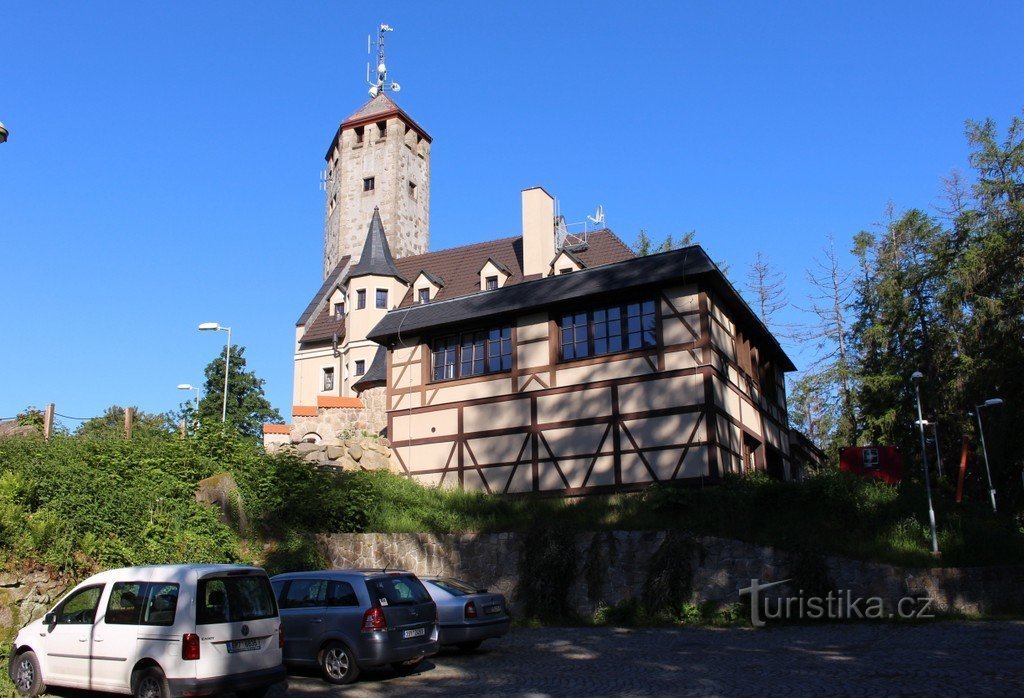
(234, 599)
(397, 590)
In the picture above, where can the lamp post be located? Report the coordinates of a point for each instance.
(992, 402)
(213, 327)
(938, 450)
(189, 386)
(917, 377)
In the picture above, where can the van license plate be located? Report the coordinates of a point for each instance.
(243, 646)
(417, 632)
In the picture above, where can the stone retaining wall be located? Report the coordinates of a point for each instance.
(721, 568)
(25, 596)
(351, 454)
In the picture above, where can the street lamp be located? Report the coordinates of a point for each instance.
(189, 386)
(938, 450)
(213, 327)
(992, 402)
(917, 377)
(3, 133)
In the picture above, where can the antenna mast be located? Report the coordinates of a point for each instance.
(381, 84)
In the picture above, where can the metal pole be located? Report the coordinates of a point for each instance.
(227, 364)
(984, 451)
(938, 451)
(927, 479)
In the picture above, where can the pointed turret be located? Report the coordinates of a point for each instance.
(376, 259)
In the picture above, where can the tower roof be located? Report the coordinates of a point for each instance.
(377, 109)
(376, 259)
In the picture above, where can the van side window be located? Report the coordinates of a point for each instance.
(305, 593)
(161, 602)
(125, 603)
(80, 607)
(341, 594)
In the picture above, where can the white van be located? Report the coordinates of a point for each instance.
(160, 631)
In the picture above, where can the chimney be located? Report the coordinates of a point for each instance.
(538, 231)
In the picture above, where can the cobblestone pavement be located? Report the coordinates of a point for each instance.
(938, 658)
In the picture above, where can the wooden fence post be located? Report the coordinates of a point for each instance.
(48, 421)
(129, 417)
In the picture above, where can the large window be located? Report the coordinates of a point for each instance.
(608, 330)
(473, 353)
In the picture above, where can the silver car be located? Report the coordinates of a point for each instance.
(467, 615)
(347, 620)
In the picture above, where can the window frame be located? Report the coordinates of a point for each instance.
(423, 295)
(369, 184)
(489, 280)
(491, 348)
(648, 337)
(360, 367)
(361, 299)
(328, 371)
(381, 299)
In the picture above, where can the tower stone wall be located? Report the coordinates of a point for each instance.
(398, 160)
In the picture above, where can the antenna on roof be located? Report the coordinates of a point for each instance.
(568, 235)
(598, 218)
(381, 83)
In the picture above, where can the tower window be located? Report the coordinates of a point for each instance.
(412, 190)
(368, 183)
(382, 298)
(382, 128)
(329, 379)
(360, 299)
(360, 367)
(359, 134)
(424, 295)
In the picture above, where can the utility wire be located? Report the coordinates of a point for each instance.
(80, 419)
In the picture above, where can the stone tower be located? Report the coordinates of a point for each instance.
(379, 158)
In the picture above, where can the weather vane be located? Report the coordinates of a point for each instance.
(381, 85)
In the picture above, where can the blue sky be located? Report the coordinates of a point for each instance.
(163, 163)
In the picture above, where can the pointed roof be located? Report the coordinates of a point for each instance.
(376, 375)
(376, 259)
(377, 109)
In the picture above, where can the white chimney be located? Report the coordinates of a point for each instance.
(538, 231)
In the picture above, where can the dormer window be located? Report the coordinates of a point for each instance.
(424, 295)
(339, 310)
(491, 283)
(566, 270)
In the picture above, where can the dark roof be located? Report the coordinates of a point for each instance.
(333, 279)
(432, 278)
(324, 327)
(608, 280)
(570, 254)
(376, 259)
(497, 265)
(460, 266)
(376, 375)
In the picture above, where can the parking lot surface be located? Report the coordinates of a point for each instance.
(933, 658)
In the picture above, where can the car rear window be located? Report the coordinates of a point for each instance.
(234, 599)
(454, 586)
(397, 590)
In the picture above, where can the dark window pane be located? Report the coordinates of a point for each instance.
(125, 604)
(161, 602)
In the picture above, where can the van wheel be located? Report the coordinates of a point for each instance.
(25, 674)
(150, 683)
(337, 664)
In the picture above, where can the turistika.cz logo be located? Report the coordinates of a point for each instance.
(834, 606)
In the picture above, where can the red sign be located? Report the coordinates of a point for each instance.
(882, 462)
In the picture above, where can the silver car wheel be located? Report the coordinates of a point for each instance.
(26, 676)
(336, 663)
(148, 687)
